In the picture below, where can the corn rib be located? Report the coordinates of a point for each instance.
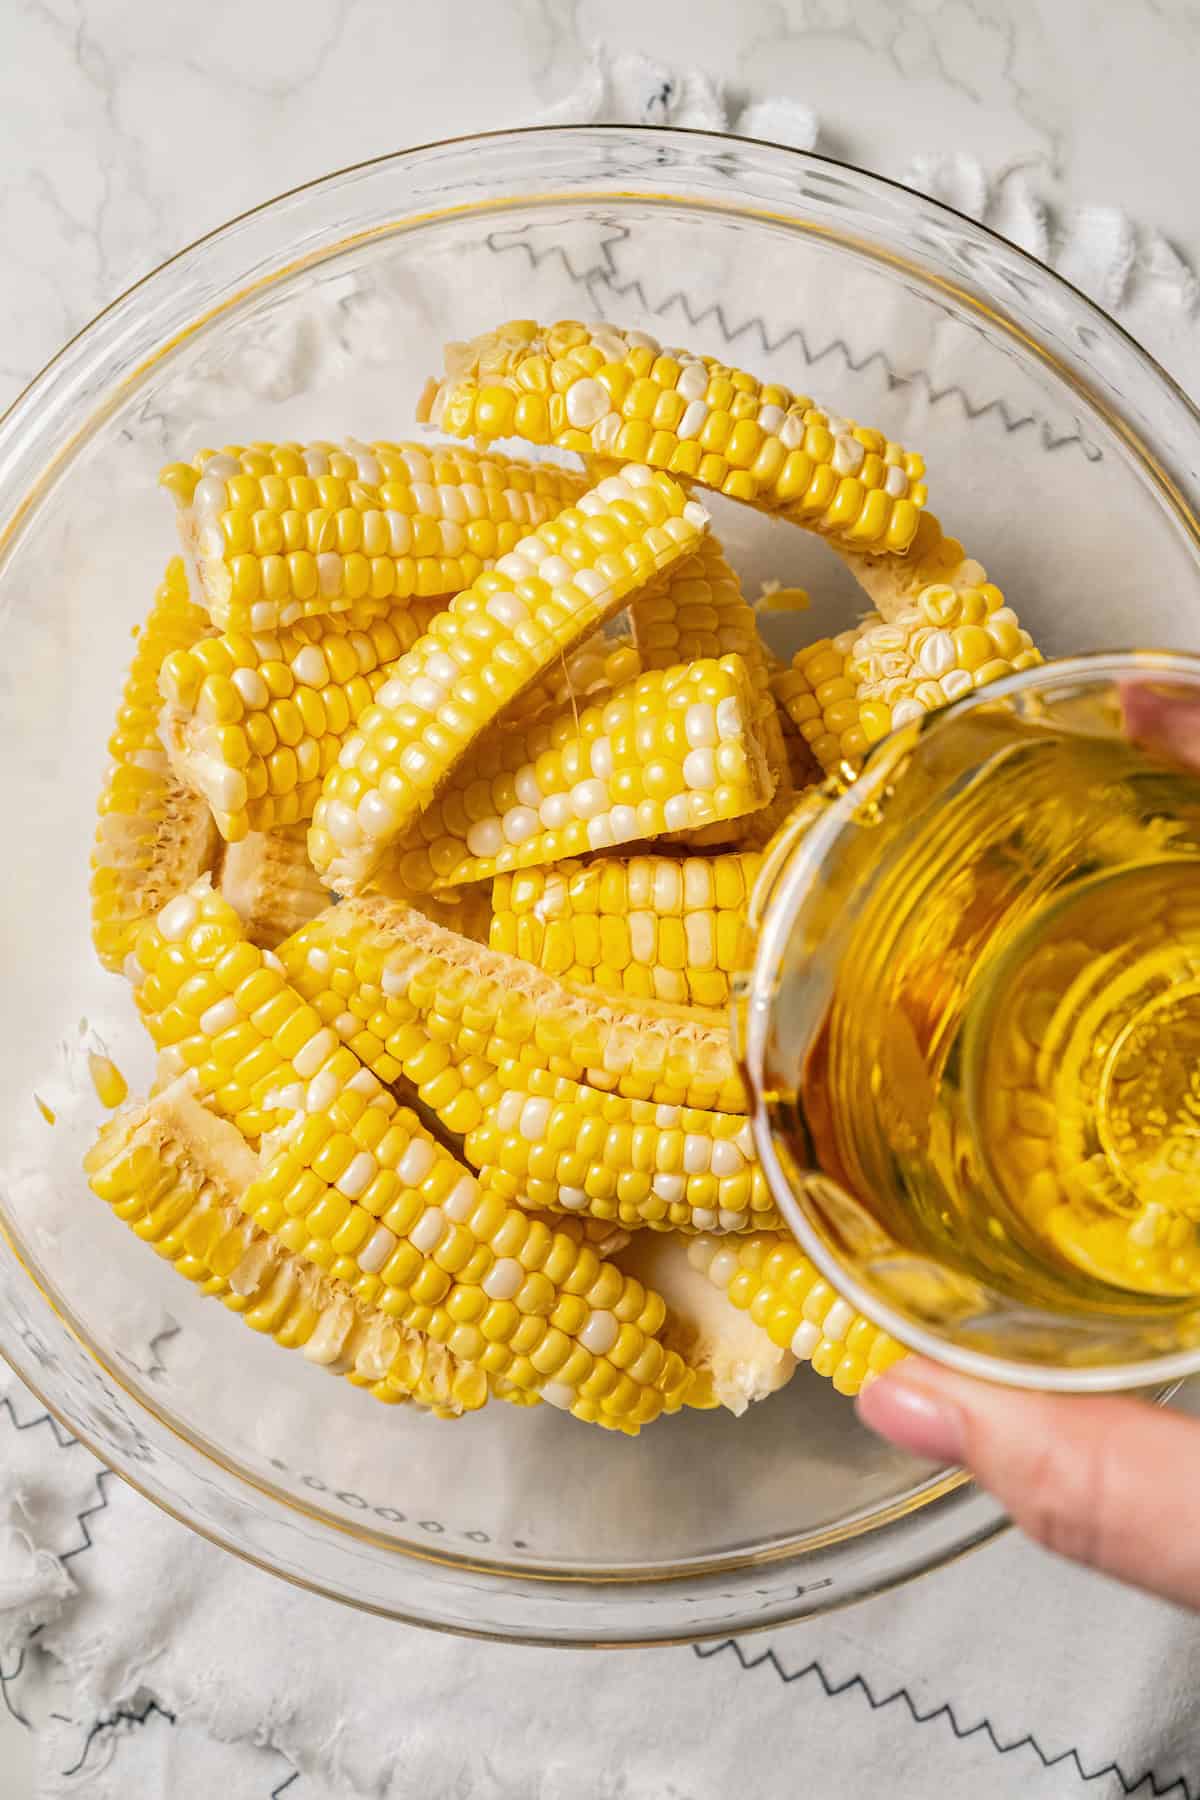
(846, 693)
(675, 749)
(382, 963)
(154, 836)
(253, 721)
(608, 393)
(561, 1146)
(769, 1277)
(175, 1174)
(351, 1182)
(282, 532)
(493, 641)
(893, 584)
(734, 1362)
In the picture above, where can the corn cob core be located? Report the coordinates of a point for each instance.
(652, 926)
(849, 692)
(281, 532)
(271, 885)
(387, 964)
(769, 1277)
(492, 642)
(254, 721)
(562, 1146)
(612, 393)
(733, 1361)
(893, 584)
(674, 749)
(153, 836)
(174, 1174)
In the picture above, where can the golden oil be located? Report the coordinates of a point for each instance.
(1008, 1076)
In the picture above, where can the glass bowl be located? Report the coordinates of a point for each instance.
(1056, 449)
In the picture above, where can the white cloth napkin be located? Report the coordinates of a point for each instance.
(151, 1664)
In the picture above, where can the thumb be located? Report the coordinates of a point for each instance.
(1108, 1482)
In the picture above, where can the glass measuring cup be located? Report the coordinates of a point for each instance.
(971, 1030)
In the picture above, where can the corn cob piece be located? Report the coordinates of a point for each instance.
(893, 584)
(561, 1146)
(652, 926)
(383, 963)
(221, 1007)
(610, 393)
(271, 885)
(352, 1183)
(675, 749)
(174, 1173)
(734, 1362)
(769, 1277)
(696, 610)
(153, 836)
(281, 532)
(849, 692)
(492, 642)
(357, 1187)
(254, 722)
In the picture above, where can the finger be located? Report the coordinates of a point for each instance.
(1108, 1482)
(1162, 720)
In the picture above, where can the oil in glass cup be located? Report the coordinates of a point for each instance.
(972, 1029)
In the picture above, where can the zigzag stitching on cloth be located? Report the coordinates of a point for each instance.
(285, 1784)
(62, 1438)
(89, 1512)
(123, 1714)
(605, 276)
(834, 1690)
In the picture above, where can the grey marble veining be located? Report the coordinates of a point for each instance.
(128, 129)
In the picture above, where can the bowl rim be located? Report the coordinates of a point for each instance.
(727, 144)
(568, 130)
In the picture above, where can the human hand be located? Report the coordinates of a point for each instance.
(1107, 1482)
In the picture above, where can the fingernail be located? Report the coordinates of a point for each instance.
(913, 1418)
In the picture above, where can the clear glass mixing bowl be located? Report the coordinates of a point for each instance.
(1056, 449)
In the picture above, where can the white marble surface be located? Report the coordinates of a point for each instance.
(128, 128)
